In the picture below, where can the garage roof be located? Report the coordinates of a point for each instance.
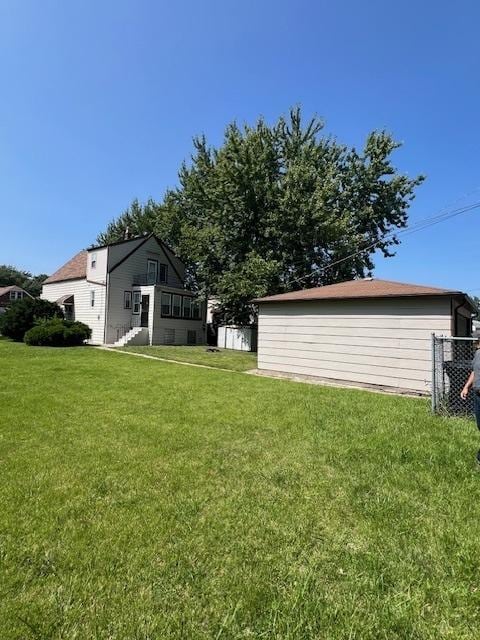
(364, 288)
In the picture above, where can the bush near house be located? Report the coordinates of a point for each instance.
(24, 314)
(58, 333)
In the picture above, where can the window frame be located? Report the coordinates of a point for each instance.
(196, 305)
(165, 268)
(184, 315)
(93, 261)
(136, 302)
(180, 305)
(127, 297)
(162, 304)
(92, 298)
(152, 261)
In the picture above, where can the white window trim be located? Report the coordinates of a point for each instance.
(125, 298)
(151, 261)
(169, 314)
(92, 297)
(93, 261)
(136, 300)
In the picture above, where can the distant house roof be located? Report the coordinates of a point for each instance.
(12, 287)
(365, 288)
(71, 270)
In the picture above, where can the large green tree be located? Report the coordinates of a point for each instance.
(277, 208)
(10, 275)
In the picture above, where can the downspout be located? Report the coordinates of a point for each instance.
(107, 306)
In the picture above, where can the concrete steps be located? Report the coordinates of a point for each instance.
(136, 336)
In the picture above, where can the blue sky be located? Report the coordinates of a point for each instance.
(101, 100)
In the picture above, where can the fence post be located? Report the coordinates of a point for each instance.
(434, 382)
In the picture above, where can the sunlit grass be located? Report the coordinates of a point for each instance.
(221, 358)
(142, 499)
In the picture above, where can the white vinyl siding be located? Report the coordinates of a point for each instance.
(121, 279)
(380, 342)
(82, 290)
(97, 271)
(175, 328)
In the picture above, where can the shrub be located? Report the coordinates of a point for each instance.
(58, 333)
(22, 315)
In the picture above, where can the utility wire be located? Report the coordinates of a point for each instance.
(419, 226)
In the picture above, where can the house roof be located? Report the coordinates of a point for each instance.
(365, 288)
(141, 236)
(76, 268)
(72, 270)
(12, 287)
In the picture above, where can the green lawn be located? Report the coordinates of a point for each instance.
(223, 359)
(147, 500)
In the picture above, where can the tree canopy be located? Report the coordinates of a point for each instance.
(10, 275)
(277, 208)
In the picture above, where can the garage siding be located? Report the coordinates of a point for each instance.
(380, 342)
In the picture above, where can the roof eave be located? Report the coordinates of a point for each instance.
(379, 297)
(64, 280)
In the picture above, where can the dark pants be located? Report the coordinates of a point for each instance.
(476, 405)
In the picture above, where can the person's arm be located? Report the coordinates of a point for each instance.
(467, 386)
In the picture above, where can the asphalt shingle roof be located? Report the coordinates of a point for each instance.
(366, 288)
(71, 270)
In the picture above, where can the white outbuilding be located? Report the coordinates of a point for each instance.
(365, 332)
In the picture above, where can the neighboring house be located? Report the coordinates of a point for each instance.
(129, 292)
(367, 332)
(10, 294)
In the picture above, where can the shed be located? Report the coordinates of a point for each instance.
(365, 332)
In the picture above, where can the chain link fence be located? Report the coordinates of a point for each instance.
(451, 366)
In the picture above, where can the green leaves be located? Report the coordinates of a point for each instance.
(10, 275)
(275, 208)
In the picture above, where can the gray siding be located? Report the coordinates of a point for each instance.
(381, 342)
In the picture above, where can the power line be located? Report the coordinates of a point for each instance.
(419, 226)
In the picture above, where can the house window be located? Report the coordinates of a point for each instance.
(163, 273)
(196, 310)
(13, 295)
(177, 306)
(92, 298)
(93, 262)
(187, 307)
(166, 304)
(137, 301)
(152, 271)
(127, 299)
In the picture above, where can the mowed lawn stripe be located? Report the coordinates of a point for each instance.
(146, 500)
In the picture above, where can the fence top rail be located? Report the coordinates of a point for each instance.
(437, 337)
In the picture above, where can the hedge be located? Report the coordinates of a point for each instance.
(58, 333)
